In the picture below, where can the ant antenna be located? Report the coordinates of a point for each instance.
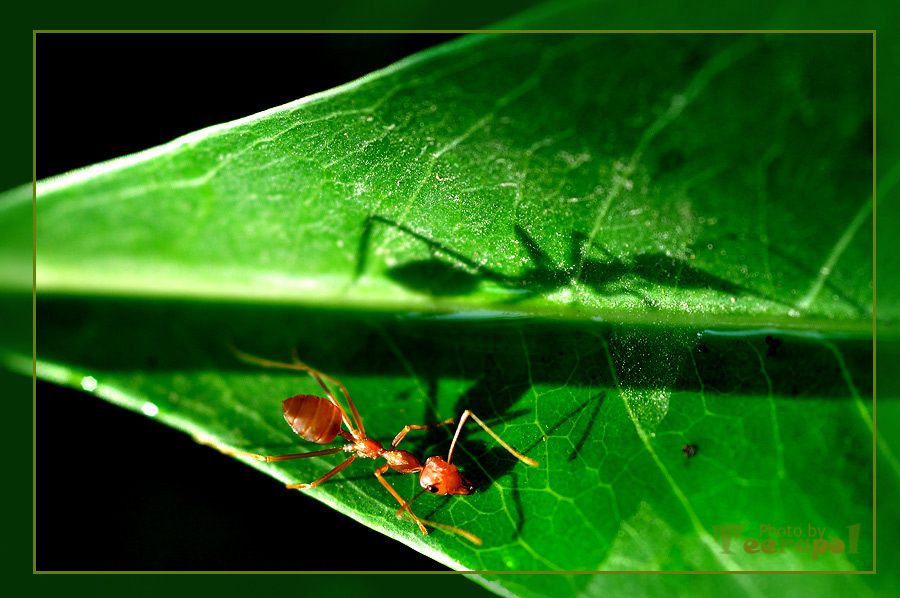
(402, 514)
(511, 450)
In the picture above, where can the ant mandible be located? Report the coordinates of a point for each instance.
(319, 420)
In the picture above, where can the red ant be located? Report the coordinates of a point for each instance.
(318, 420)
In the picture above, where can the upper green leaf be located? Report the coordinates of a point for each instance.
(719, 179)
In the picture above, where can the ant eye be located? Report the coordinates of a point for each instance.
(432, 489)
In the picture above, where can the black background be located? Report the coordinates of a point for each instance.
(116, 490)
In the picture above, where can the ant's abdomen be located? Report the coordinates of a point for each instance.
(315, 419)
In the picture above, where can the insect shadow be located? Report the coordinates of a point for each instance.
(460, 275)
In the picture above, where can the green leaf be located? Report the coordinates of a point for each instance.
(608, 247)
(670, 203)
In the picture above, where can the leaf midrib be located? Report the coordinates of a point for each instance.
(147, 287)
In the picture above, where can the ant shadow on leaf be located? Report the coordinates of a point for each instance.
(449, 273)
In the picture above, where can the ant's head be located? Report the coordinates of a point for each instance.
(440, 477)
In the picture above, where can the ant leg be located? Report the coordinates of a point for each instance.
(315, 373)
(447, 528)
(406, 429)
(267, 458)
(453, 530)
(405, 504)
(325, 477)
(379, 474)
(511, 450)
(317, 376)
